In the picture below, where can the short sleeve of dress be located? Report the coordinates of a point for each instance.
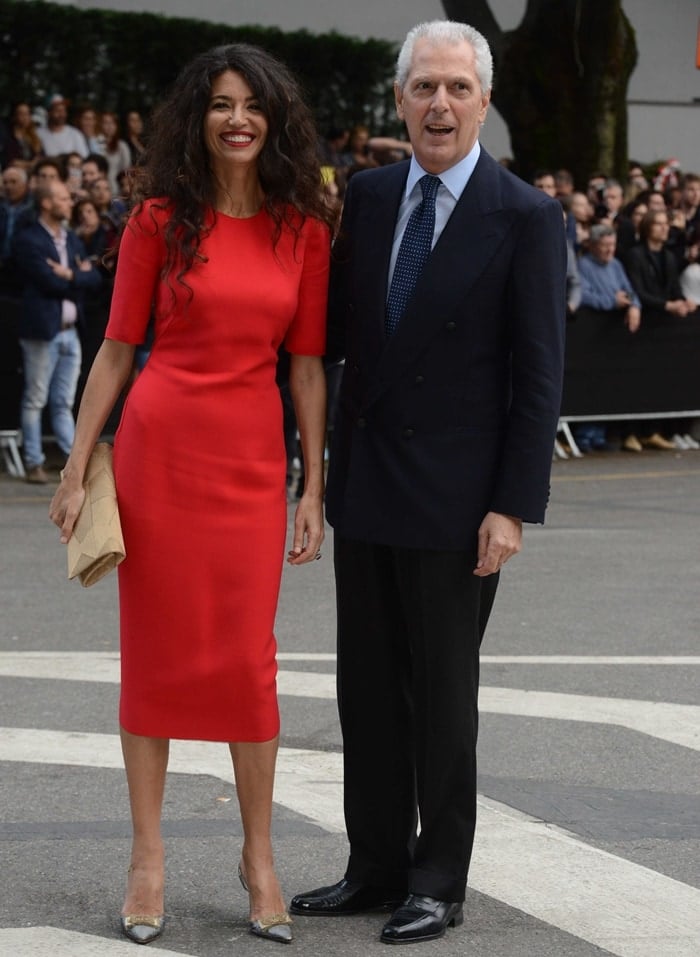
(140, 259)
(306, 335)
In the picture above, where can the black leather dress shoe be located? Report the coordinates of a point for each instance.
(421, 918)
(345, 897)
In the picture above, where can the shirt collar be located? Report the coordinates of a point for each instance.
(62, 235)
(454, 179)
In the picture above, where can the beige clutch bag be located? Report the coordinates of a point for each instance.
(97, 544)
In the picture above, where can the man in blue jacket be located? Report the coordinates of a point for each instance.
(55, 271)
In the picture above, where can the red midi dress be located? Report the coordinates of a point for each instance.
(200, 468)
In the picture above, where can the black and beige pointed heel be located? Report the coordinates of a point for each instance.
(271, 927)
(142, 928)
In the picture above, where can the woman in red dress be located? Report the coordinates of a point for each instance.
(228, 250)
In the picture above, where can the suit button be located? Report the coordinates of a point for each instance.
(450, 326)
(356, 370)
(408, 433)
(419, 380)
(361, 423)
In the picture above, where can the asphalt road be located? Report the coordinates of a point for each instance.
(589, 830)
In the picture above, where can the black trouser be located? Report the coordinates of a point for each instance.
(410, 622)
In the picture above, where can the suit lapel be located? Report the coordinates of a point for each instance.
(376, 223)
(469, 240)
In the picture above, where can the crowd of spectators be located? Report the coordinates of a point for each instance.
(65, 193)
(634, 246)
(88, 155)
(636, 249)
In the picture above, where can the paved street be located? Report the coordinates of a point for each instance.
(589, 832)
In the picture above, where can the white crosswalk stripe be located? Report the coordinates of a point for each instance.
(676, 723)
(613, 903)
(627, 909)
(42, 941)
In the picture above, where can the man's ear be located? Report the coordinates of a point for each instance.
(485, 102)
(398, 97)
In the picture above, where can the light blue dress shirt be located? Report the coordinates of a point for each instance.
(453, 181)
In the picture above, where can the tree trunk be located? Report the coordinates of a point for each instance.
(560, 82)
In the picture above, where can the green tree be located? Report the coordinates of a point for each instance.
(561, 81)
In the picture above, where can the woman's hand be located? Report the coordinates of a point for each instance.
(66, 504)
(108, 374)
(308, 530)
(307, 384)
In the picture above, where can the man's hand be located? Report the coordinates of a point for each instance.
(633, 318)
(500, 537)
(65, 272)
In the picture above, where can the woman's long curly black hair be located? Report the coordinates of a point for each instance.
(177, 167)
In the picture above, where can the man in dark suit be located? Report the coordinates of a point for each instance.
(442, 448)
(15, 211)
(55, 273)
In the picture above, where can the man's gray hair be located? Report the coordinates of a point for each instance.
(17, 169)
(599, 231)
(447, 31)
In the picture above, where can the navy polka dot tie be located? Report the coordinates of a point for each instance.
(413, 253)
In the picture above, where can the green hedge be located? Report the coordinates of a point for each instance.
(125, 61)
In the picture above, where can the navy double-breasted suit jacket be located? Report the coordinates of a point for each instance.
(455, 415)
